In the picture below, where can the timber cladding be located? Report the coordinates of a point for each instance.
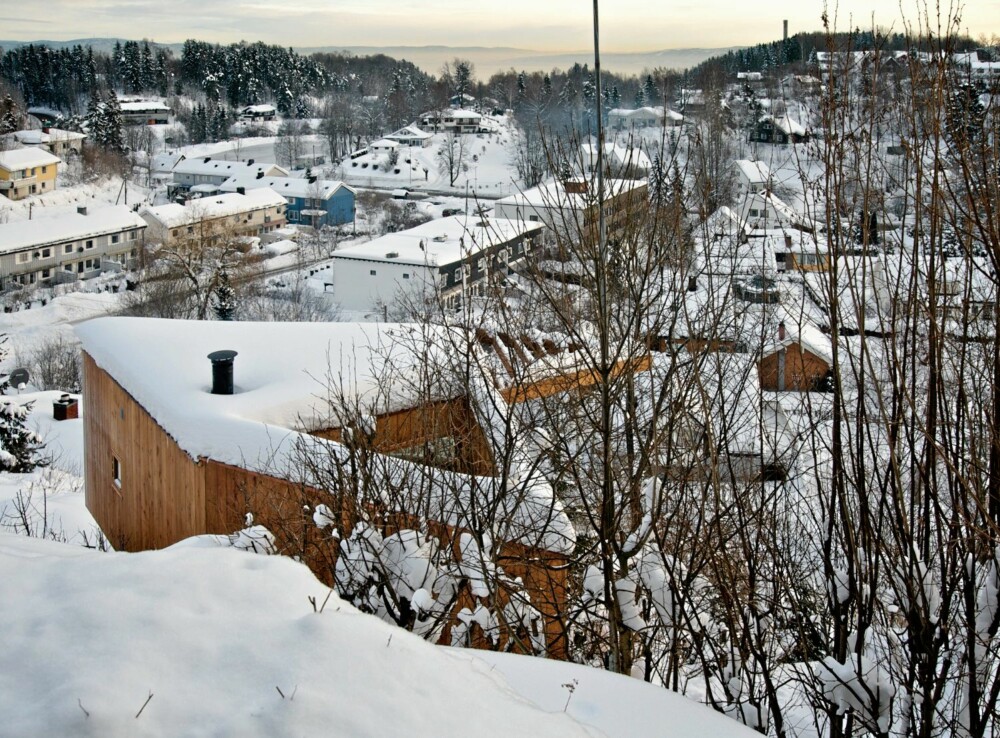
(141, 488)
(803, 370)
(417, 433)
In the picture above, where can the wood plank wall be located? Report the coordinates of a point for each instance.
(802, 370)
(161, 499)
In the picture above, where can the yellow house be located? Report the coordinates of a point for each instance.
(28, 171)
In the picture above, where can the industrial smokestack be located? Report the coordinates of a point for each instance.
(785, 36)
(222, 371)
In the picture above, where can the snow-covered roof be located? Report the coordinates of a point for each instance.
(645, 113)
(207, 166)
(285, 376)
(25, 234)
(37, 137)
(452, 113)
(755, 172)
(259, 109)
(438, 242)
(166, 161)
(801, 331)
(140, 106)
(789, 125)
(409, 132)
(384, 143)
(173, 215)
(286, 186)
(617, 156)
(26, 158)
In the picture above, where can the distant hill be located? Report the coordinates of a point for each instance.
(488, 59)
(105, 45)
(492, 59)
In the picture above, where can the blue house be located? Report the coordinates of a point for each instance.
(311, 201)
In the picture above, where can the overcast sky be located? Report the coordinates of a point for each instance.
(545, 25)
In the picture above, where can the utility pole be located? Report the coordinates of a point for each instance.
(608, 514)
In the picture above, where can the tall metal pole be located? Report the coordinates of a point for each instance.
(616, 662)
(601, 234)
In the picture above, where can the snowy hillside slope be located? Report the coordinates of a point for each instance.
(226, 643)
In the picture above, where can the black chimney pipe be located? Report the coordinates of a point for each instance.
(222, 372)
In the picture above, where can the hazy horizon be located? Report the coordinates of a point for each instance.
(557, 26)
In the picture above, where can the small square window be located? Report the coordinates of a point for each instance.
(68, 248)
(116, 471)
(372, 272)
(406, 275)
(90, 244)
(115, 238)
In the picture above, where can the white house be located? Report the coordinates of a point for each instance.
(383, 146)
(144, 112)
(752, 176)
(451, 258)
(410, 136)
(454, 120)
(765, 211)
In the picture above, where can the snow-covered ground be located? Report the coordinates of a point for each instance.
(206, 640)
(202, 639)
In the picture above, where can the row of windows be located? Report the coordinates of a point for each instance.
(243, 218)
(47, 252)
(25, 173)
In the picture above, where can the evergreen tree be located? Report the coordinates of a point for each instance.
(659, 187)
(649, 90)
(19, 445)
(224, 299)
(95, 118)
(113, 136)
(9, 119)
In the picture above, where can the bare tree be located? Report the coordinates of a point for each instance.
(453, 155)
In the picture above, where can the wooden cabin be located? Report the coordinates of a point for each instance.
(799, 361)
(166, 458)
